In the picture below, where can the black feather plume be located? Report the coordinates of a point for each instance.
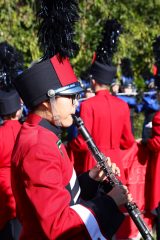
(126, 67)
(156, 49)
(57, 19)
(108, 45)
(11, 63)
(156, 52)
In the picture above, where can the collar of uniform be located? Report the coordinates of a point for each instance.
(10, 122)
(36, 119)
(103, 92)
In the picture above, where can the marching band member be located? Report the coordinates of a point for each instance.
(151, 149)
(10, 113)
(51, 202)
(105, 116)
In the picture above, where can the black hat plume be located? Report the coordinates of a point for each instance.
(126, 67)
(109, 42)
(11, 64)
(156, 52)
(102, 69)
(126, 72)
(53, 74)
(56, 27)
(156, 49)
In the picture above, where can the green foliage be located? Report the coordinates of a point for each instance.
(18, 27)
(140, 21)
(139, 18)
(138, 123)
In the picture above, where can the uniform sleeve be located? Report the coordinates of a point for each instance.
(127, 138)
(154, 143)
(0, 146)
(89, 187)
(101, 210)
(44, 187)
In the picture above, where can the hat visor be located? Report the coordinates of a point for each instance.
(71, 89)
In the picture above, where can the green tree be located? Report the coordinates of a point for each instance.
(19, 27)
(139, 18)
(140, 21)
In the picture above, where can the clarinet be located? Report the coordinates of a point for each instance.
(131, 207)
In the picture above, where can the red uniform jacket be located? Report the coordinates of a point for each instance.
(153, 168)
(107, 119)
(135, 164)
(47, 191)
(8, 133)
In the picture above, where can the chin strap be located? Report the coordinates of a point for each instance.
(55, 116)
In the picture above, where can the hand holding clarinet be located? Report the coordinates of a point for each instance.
(119, 193)
(109, 174)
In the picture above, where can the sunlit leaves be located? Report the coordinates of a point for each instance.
(140, 20)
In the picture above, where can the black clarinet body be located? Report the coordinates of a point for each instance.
(131, 207)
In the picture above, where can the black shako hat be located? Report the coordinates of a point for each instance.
(46, 79)
(102, 73)
(9, 102)
(11, 62)
(53, 75)
(127, 76)
(102, 69)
